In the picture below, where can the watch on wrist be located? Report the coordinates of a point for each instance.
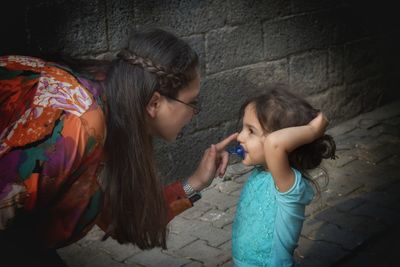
(190, 192)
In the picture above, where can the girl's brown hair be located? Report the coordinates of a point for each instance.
(277, 108)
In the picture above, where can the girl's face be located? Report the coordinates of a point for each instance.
(251, 137)
(174, 113)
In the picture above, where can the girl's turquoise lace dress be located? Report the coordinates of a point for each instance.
(268, 223)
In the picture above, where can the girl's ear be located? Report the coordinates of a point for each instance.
(154, 104)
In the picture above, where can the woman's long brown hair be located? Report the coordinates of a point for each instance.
(155, 60)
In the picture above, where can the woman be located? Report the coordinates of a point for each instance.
(76, 150)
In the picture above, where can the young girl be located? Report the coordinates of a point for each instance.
(283, 136)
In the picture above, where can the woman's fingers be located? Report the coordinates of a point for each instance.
(222, 144)
(223, 163)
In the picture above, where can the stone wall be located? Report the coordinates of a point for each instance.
(341, 55)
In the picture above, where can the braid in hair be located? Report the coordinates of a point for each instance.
(165, 78)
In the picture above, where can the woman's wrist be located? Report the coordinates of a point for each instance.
(191, 192)
(193, 182)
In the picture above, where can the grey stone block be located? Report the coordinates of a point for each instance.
(178, 160)
(120, 22)
(183, 17)
(230, 47)
(300, 6)
(197, 42)
(296, 33)
(308, 72)
(72, 27)
(239, 12)
(335, 66)
(223, 93)
(362, 59)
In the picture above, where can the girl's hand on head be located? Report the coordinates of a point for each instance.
(213, 163)
(319, 124)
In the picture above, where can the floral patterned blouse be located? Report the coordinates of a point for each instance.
(52, 131)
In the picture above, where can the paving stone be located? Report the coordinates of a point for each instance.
(374, 211)
(227, 246)
(340, 219)
(343, 128)
(226, 219)
(156, 258)
(343, 158)
(311, 225)
(203, 253)
(388, 111)
(193, 264)
(177, 241)
(242, 178)
(180, 225)
(379, 178)
(343, 188)
(319, 253)
(76, 256)
(220, 200)
(367, 123)
(212, 215)
(377, 154)
(236, 193)
(348, 204)
(228, 187)
(370, 227)
(392, 121)
(384, 129)
(315, 206)
(236, 170)
(227, 264)
(228, 228)
(382, 198)
(116, 251)
(212, 235)
(198, 209)
(94, 235)
(333, 234)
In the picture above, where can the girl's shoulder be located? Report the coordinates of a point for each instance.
(300, 192)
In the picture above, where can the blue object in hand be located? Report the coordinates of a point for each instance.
(237, 150)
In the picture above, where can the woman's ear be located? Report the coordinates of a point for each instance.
(154, 104)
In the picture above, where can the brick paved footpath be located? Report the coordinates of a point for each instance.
(361, 201)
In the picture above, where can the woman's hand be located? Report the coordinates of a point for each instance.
(213, 163)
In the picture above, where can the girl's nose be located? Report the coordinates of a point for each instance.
(239, 138)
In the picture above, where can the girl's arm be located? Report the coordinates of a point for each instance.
(279, 144)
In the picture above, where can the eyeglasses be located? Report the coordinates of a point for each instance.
(195, 106)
